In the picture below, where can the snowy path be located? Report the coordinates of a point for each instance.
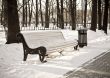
(98, 67)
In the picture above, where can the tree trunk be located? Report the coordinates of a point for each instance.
(13, 21)
(82, 14)
(30, 12)
(2, 13)
(5, 16)
(85, 13)
(94, 15)
(23, 18)
(109, 14)
(73, 13)
(26, 14)
(58, 13)
(47, 14)
(41, 14)
(62, 19)
(66, 13)
(105, 19)
(37, 13)
(99, 15)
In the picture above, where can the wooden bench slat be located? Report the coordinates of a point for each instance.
(49, 39)
(35, 39)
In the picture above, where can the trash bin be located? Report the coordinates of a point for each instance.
(82, 37)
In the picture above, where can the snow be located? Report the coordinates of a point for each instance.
(2, 38)
(12, 66)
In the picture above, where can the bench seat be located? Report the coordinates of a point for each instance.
(53, 40)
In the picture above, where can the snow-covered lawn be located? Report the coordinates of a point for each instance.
(12, 66)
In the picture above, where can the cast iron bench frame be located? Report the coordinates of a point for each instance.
(45, 41)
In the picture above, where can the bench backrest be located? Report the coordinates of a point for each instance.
(43, 38)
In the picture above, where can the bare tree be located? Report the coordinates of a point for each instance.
(73, 13)
(109, 14)
(1, 17)
(58, 13)
(5, 16)
(105, 18)
(26, 13)
(37, 13)
(23, 18)
(66, 10)
(85, 13)
(94, 15)
(47, 14)
(99, 15)
(30, 6)
(13, 21)
(41, 13)
(61, 15)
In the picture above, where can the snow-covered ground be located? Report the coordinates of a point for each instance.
(12, 66)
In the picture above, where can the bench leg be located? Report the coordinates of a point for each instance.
(42, 56)
(76, 47)
(42, 59)
(61, 52)
(25, 57)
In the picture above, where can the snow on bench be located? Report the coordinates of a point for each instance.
(53, 41)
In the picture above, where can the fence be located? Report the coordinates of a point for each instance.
(51, 27)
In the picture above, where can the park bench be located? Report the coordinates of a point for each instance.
(48, 41)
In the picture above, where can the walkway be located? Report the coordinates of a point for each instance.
(98, 67)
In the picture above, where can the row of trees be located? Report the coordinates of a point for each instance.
(60, 11)
(100, 14)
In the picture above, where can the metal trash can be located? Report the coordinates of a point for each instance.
(82, 37)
